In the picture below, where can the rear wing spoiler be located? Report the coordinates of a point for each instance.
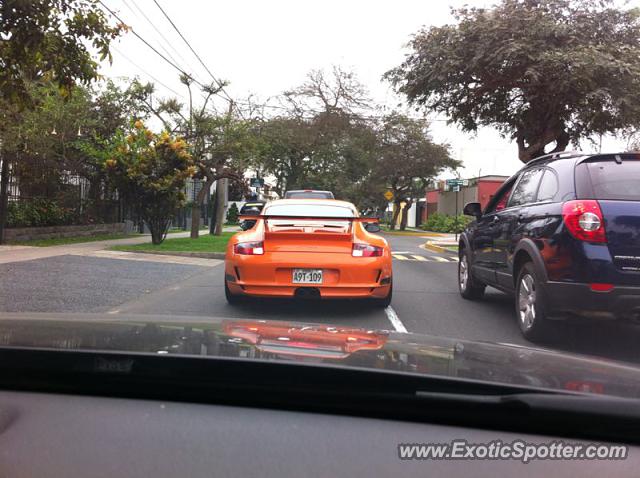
(309, 218)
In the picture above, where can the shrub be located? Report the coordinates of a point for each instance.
(232, 214)
(150, 171)
(444, 223)
(37, 213)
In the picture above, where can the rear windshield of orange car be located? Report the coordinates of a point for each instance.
(309, 210)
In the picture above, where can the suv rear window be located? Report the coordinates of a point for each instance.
(615, 181)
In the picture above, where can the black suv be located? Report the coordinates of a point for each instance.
(563, 236)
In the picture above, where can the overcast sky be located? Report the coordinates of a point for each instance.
(266, 47)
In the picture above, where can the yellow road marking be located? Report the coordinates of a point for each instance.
(419, 258)
(400, 257)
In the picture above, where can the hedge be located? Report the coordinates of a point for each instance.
(444, 223)
(38, 212)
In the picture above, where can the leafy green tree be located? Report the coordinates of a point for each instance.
(68, 135)
(218, 143)
(540, 71)
(323, 141)
(150, 171)
(50, 40)
(407, 159)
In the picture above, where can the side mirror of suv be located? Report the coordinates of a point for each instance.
(372, 227)
(472, 209)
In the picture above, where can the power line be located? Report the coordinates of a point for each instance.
(147, 73)
(192, 50)
(162, 37)
(151, 46)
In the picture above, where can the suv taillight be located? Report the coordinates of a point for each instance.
(365, 250)
(584, 220)
(249, 248)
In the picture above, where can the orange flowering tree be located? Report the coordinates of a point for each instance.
(150, 171)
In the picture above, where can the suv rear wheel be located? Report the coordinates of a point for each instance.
(470, 288)
(531, 305)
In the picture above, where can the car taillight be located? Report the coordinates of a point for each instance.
(249, 248)
(365, 250)
(584, 220)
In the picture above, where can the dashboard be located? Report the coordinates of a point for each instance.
(43, 435)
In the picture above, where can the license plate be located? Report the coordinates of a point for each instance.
(307, 276)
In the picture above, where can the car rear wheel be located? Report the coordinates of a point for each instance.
(531, 305)
(231, 298)
(469, 287)
(386, 302)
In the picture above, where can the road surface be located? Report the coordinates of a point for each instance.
(426, 298)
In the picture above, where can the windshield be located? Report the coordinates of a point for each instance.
(274, 183)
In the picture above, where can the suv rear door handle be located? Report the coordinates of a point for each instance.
(520, 218)
(495, 219)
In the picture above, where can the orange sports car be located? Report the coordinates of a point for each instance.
(309, 248)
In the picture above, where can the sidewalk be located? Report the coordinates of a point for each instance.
(29, 253)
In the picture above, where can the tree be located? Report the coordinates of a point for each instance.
(150, 171)
(407, 159)
(323, 141)
(541, 71)
(337, 92)
(218, 143)
(232, 214)
(45, 39)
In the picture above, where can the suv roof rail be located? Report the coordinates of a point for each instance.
(561, 154)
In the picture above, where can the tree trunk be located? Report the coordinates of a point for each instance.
(405, 215)
(220, 197)
(195, 210)
(394, 217)
(4, 196)
(531, 148)
(212, 221)
(158, 228)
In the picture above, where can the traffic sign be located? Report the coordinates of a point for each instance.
(455, 189)
(456, 182)
(388, 195)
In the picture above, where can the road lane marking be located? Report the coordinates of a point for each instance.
(414, 257)
(395, 320)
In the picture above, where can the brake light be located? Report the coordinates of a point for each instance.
(365, 250)
(584, 220)
(600, 287)
(249, 248)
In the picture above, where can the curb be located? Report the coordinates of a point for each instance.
(434, 248)
(202, 255)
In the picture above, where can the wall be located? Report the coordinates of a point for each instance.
(486, 189)
(447, 200)
(54, 232)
